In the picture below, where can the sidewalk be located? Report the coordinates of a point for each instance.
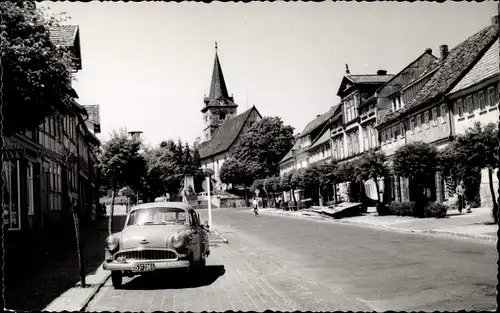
(475, 225)
(77, 298)
(42, 272)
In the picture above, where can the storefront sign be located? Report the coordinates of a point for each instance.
(12, 154)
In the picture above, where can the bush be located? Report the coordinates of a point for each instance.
(382, 209)
(402, 208)
(434, 209)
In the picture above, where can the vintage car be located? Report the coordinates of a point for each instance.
(157, 236)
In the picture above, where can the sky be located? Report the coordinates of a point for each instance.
(149, 64)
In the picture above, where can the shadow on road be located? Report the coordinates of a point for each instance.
(44, 265)
(176, 279)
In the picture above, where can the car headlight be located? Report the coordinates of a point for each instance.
(177, 241)
(111, 243)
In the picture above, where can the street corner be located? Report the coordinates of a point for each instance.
(78, 297)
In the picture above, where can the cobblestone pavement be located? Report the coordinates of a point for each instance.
(297, 264)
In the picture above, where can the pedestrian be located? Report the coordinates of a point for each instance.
(255, 205)
(460, 190)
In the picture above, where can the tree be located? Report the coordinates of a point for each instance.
(372, 165)
(188, 160)
(312, 179)
(465, 157)
(296, 182)
(328, 175)
(263, 146)
(38, 72)
(285, 182)
(235, 172)
(418, 162)
(121, 164)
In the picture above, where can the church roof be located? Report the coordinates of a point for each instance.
(218, 94)
(225, 135)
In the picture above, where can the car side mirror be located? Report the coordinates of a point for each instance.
(206, 226)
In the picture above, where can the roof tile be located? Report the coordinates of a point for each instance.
(225, 135)
(63, 35)
(452, 69)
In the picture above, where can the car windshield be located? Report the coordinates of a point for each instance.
(158, 216)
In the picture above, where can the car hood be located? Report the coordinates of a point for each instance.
(157, 236)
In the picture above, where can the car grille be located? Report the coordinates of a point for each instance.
(147, 254)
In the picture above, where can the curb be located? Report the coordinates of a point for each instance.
(487, 238)
(222, 240)
(77, 298)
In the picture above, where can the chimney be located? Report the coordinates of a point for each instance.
(347, 69)
(494, 20)
(381, 72)
(428, 50)
(318, 115)
(444, 51)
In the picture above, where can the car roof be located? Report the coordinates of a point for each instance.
(174, 205)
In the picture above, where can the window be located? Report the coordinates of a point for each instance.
(444, 114)
(460, 107)
(426, 119)
(30, 199)
(366, 138)
(402, 129)
(419, 122)
(356, 142)
(400, 104)
(394, 135)
(491, 96)
(412, 125)
(349, 145)
(11, 196)
(55, 190)
(481, 103)
(394, 104)
(469, 105)
(373, 132)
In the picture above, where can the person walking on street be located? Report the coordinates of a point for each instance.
(255, 205)
(460, 190)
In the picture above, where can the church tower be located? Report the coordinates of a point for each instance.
(219, 106)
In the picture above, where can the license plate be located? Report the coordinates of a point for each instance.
(143, 267)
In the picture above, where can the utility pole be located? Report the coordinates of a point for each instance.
(136, 135)
(209, 203)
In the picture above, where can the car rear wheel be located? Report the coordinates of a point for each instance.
(116, 279)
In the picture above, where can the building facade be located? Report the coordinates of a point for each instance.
(444, 101)
(40, 165)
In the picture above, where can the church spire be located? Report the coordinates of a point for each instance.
(218, 87)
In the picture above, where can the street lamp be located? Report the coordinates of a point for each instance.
(136, 135)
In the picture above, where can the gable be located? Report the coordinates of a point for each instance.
(345, 84)
(225, 136)
(485, 68)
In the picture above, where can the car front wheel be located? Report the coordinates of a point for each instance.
(116, 279)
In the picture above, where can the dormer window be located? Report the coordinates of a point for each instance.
(222, 115)
(396, 103)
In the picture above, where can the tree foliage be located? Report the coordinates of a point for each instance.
(235, 172)
(467, 155)
(168, 164)
(417, 161)
(372, 165)
(38, 73)
(262, 147)
(121, 164)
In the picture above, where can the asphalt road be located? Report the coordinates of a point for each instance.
(289, 263)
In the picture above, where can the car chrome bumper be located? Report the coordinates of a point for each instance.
(159, 265)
